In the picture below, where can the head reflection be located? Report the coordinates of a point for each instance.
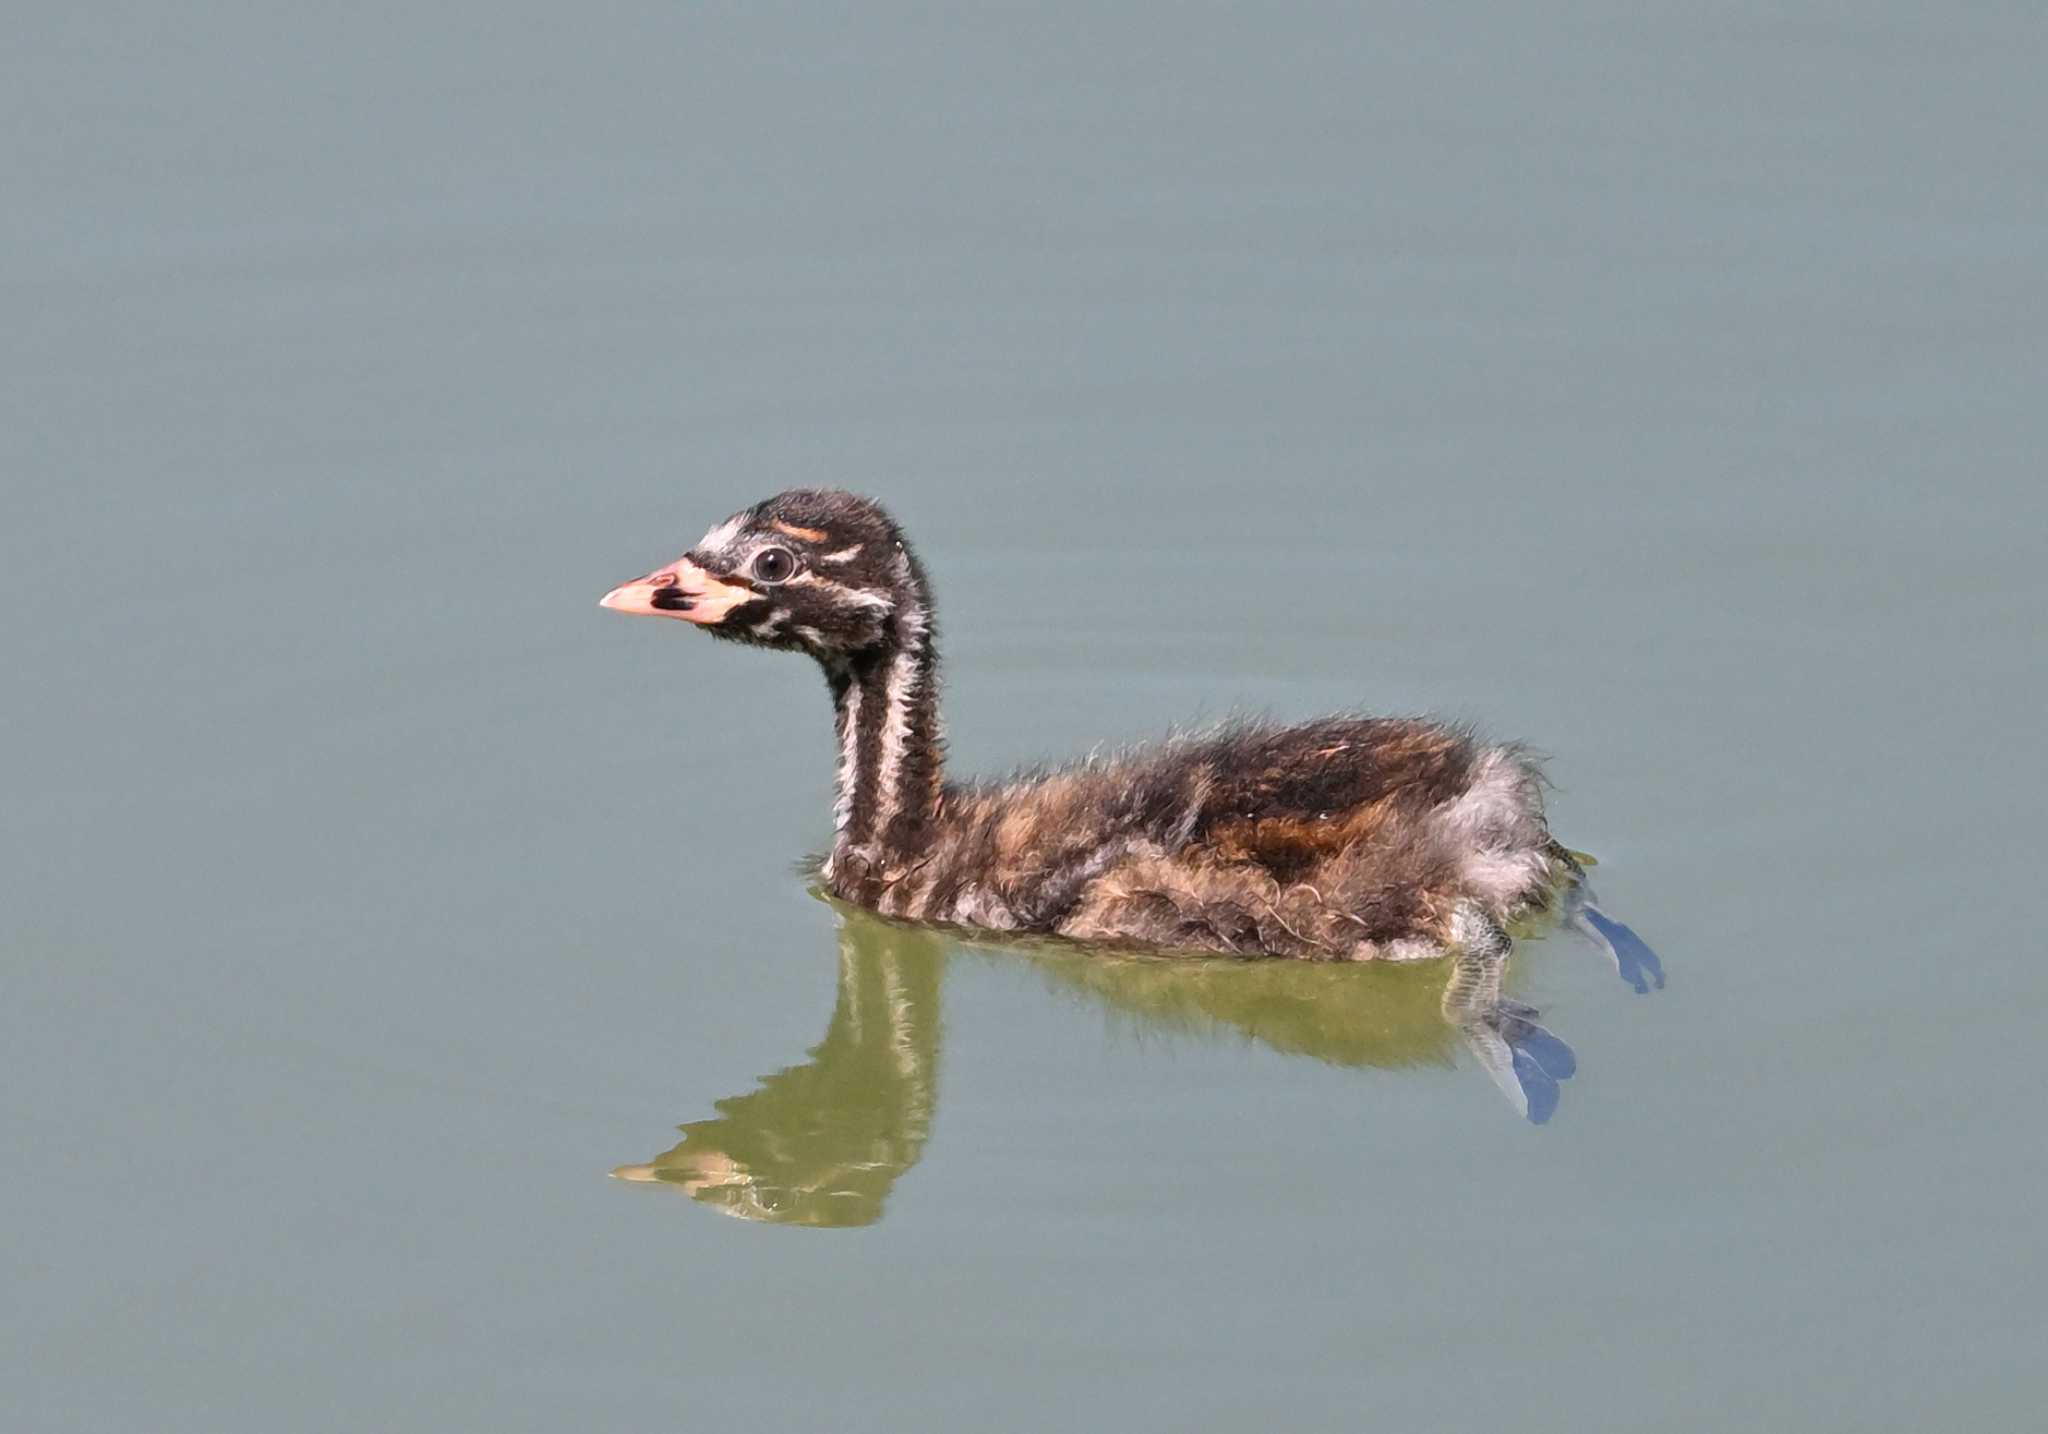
(824, 1142)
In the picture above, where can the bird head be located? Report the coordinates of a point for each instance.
(809, 570)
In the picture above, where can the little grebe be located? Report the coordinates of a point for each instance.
(1341, 839)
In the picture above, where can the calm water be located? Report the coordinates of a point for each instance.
(1661, 388)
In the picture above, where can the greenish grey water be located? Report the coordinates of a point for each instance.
(1659, 386)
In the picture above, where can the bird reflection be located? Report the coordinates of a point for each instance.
(823, 1143)
(1383, 1015)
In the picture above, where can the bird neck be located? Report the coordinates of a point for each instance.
(891, 754)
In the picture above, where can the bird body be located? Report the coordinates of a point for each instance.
(1339, 839)
(1345, 838)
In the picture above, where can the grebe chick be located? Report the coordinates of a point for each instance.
(1341, 839)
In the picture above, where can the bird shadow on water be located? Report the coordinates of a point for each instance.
(823, 1143)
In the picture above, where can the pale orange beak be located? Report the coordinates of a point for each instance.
(682, 589)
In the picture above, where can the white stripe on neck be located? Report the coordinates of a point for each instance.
(849, 759)
(900, 693)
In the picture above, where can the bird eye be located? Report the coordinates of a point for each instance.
(774, 565)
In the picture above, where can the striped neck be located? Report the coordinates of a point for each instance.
(891, 754)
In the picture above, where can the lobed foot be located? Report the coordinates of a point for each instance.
(1525, 1060)
(1633, 959)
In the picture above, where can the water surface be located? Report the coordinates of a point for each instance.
(1659, 387)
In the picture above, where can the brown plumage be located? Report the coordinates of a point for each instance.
(1342, 839)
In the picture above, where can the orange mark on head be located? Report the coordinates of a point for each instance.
(809, 535)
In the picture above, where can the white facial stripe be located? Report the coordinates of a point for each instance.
(849, 760)
(722, 537)
(810, 635)
(767, 626)
(840, 591)
(844, 555)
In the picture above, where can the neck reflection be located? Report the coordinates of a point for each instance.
(822, 1143)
